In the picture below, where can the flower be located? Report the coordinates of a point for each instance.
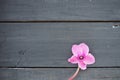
(81, 56)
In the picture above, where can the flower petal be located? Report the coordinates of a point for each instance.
(89, 59)
(73, 60)
(85, 48)
(76, 50)
(82, 65)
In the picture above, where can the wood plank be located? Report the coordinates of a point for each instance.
(59, 10)
(59, 74)
(49, 44)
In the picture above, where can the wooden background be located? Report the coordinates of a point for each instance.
(36, 38)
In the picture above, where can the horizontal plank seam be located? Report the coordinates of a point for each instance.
(64, 67)
(60, 21)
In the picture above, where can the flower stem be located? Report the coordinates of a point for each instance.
(75, 74)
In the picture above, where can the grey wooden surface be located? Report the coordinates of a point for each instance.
(59, 74)
(12, 10)
(36, 38)
(49, 44)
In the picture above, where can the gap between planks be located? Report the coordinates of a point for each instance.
(52, 67)
(61, 21)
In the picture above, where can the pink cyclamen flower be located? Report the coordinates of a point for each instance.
(81, 56)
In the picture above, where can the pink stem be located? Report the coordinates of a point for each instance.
(75, 74)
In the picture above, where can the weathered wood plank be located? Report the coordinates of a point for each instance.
(59, 74)
(59, 10)
(49, 44)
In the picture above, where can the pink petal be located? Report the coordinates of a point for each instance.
(76, 50)
(82, 65)
(89, 59)
(85, 48)
(73, 60)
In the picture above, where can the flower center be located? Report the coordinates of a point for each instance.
(81, 57)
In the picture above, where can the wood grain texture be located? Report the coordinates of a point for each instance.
(59, 74)
(49, 44)
(59, 10)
